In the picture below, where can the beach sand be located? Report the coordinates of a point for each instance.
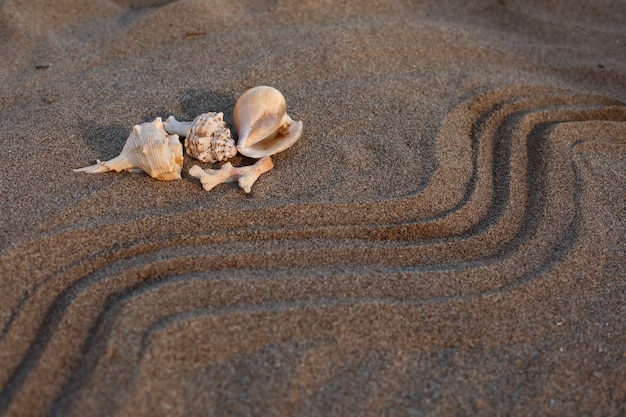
(446, 238)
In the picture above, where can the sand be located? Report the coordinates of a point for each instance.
(446, 238)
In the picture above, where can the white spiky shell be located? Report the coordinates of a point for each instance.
(149, 149)
(207, 138)
(262, 123)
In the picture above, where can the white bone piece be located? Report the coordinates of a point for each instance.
(245, 176)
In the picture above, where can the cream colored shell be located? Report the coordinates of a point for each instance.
(207, 138)
(262, 123)
(148, 149)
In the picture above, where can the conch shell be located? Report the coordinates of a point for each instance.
(207, 138)
(261, 120)
(148, 149)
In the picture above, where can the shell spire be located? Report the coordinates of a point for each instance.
(207, 138)
(262, 123)
(149, 149)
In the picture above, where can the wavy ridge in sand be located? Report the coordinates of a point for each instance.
(496, 224)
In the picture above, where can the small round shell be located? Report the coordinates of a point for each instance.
(208, 139)
(262, 123)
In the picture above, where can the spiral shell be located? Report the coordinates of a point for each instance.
(149, 149)
(262, 123)
(207, 138)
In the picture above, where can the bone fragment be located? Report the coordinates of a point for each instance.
(245, 176)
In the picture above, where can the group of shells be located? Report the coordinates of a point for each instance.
(263, 127)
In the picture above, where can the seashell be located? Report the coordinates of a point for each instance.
(261, 120)
(149, 149)
(245, 176)
(206, 122)
(207, 138)
(222, 146)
